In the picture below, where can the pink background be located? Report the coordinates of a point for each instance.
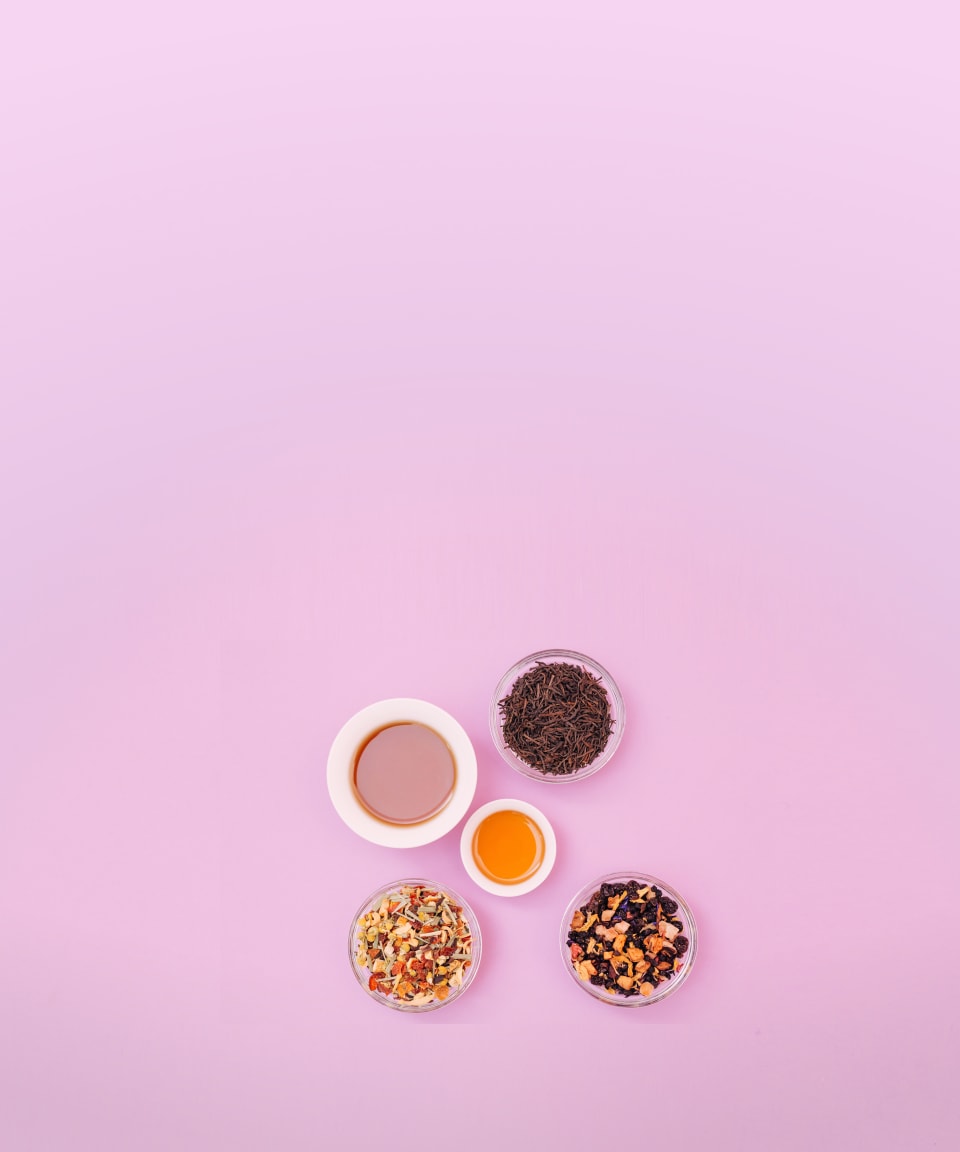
(357, 350)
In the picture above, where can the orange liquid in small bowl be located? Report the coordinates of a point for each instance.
(508, 847)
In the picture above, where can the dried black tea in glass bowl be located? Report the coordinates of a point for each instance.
(557, 715)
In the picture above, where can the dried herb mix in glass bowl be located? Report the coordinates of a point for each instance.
(414, 945)
(557, 715)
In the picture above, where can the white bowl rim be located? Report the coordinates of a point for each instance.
(549, 847)
(340, 766)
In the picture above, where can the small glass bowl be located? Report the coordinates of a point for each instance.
(664, 989)
(557, 656)
(363, 974)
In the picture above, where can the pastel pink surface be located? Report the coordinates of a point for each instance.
(356, 351)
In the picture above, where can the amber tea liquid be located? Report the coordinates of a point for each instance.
(404, 773)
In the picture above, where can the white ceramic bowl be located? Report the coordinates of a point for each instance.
(549, 848)
(342, 759)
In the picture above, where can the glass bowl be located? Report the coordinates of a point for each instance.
(393, 893)
(557, 656)
(631, 998)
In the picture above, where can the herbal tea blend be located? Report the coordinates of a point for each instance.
(416, 944)
(556, 718)
(627, 939)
